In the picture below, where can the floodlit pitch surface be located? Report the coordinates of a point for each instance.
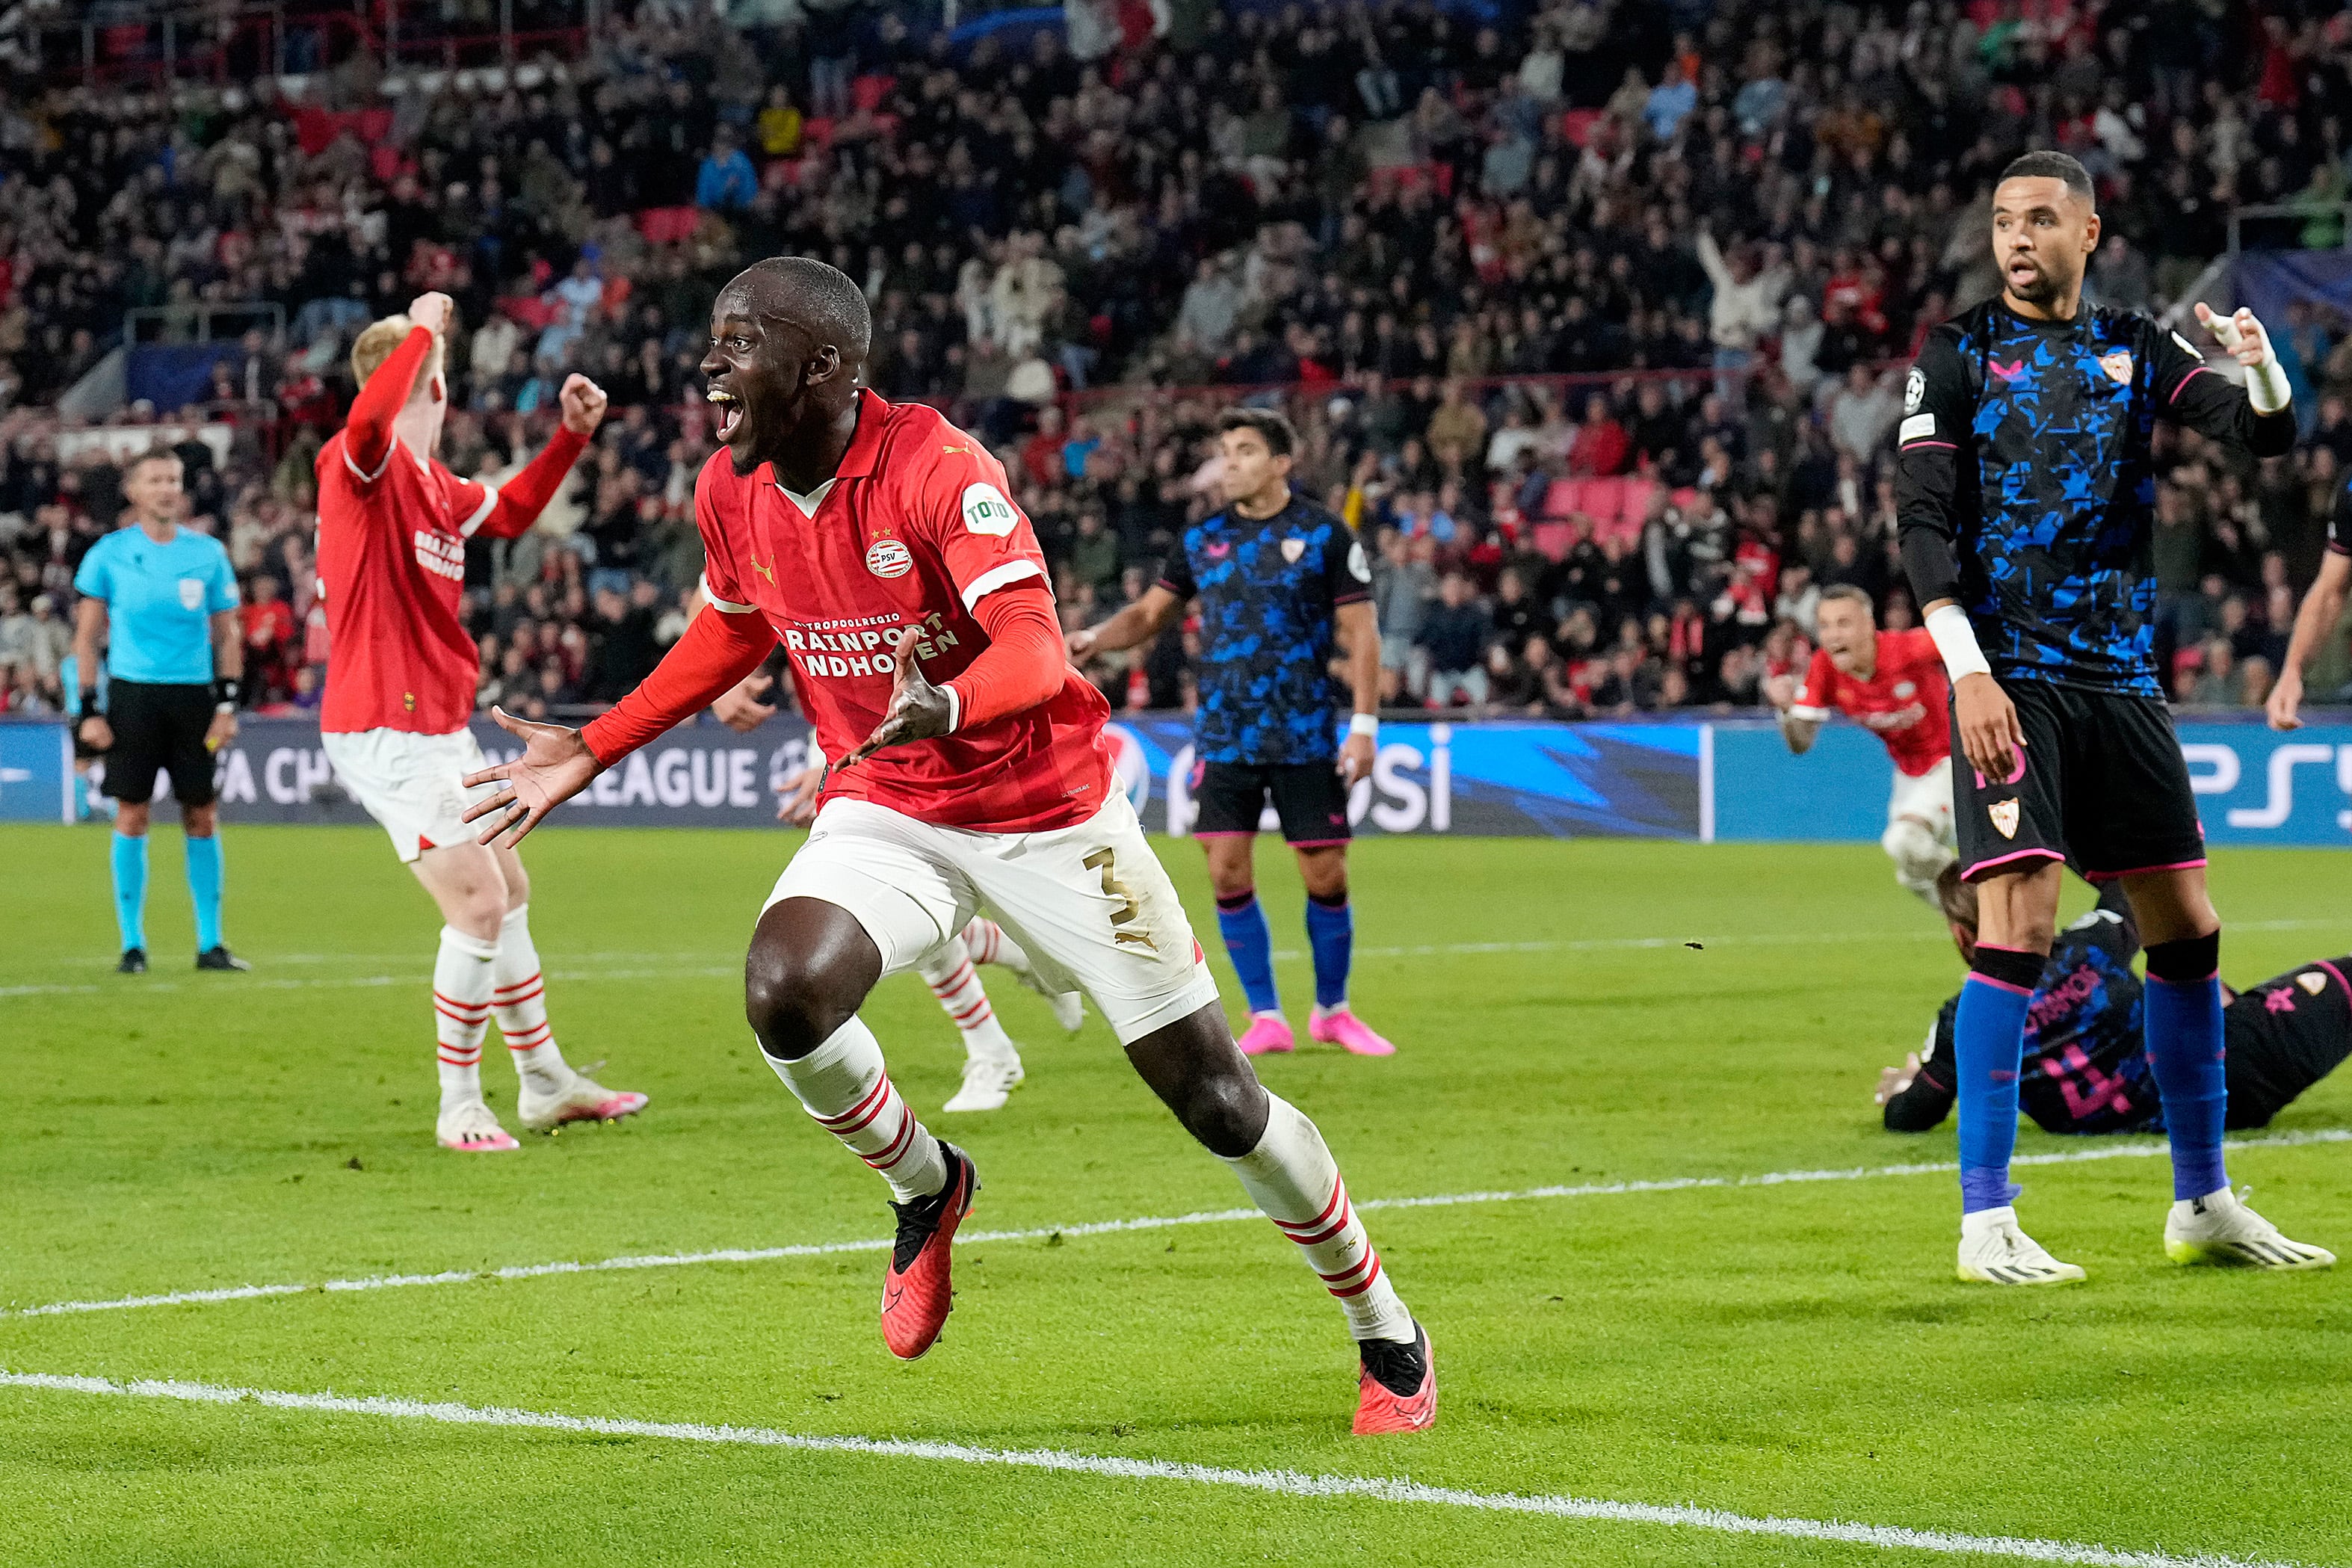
(1771, 1371)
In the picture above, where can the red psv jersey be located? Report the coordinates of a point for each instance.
(391, 570)
(917, 526)
(1903, 702)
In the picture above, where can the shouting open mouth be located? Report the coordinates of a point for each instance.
(731, 412)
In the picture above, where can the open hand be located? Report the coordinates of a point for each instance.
(746, 707)
(1990, 732)
(2241, 335)
(583, 404)
(796, 796)
(1893, 1081)
(918, 711)
(555, 765)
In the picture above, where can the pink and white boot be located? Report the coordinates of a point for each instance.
(1269, 1033)
(1340, 1026)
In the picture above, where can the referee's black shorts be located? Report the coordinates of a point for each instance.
(159, 726)
(2102, 784)
(1310, 799)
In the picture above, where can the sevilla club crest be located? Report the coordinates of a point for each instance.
(2118, 366)
(2004, 816)
(1292, 549)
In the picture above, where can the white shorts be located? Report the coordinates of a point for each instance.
(1091, 903)
(1928, 797)
(410, 783)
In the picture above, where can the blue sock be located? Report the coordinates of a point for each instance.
(2184, 1047)
(1988, 1048)
(131, 889)
(1250, 945)
(205, 878)
(1331, 933)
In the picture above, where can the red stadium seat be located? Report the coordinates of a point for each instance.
(1553, 539)
(869, 92)
(667, 226)
(1635, 507)
(1563, 499)
(1605, 499)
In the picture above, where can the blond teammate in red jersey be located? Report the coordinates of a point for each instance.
(879, 543)
(401, 674)
(1892, 684)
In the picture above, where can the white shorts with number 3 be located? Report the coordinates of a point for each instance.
(1091, 904)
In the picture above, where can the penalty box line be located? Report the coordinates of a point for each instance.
(2133, 1150)
(1280, 1483)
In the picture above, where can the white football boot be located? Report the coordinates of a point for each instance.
(2220, 1229)
(1994, 1251)
(987, 1082)
(471, 1128)
(582, 1099)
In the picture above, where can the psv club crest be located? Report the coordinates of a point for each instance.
(888, 558)
(2004, 816)
(2118, 366)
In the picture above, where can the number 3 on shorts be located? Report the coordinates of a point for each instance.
(1115, 889)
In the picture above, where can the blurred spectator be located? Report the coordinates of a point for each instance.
(1453, 636)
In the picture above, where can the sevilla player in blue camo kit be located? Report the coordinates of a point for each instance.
(1281, 580)
(2025, 491)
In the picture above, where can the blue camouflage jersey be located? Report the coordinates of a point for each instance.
(2085, 1067)
(1269, 590)
(2026, 490)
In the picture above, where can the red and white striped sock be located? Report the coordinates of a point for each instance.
(1292, 1176)
(463, 979)
(520, 1002)
(989, 942)
(845, 1087)
(951, 975)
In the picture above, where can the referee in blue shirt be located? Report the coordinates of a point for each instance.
(162, 600)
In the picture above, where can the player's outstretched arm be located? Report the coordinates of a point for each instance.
(2322, 607)
(2256, 417)
(717, 651)
(522, 498)
(1140, 622)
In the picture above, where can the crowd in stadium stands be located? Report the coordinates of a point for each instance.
(1594, 323)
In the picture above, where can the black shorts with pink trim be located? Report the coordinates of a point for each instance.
(2101, 786)
(1310, 800)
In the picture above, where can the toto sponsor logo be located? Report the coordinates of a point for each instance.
(888, 558)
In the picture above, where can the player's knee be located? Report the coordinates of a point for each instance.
(479, 912)
(199, 821)
(793, 1000)
(1226, 1111)
(131, 821)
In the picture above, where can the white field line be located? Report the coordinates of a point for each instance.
(2119, 1150)
(686, 969)
(1281, 1483)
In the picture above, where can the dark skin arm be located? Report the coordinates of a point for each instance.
(918, 711)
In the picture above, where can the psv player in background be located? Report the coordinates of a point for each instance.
(880, 545)
(1892, 684)
(401, 676)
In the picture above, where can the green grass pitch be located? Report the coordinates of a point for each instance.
(1797, 1350)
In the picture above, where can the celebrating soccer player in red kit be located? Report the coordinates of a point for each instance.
(401, 676)
(879, 545)
(1892, 684)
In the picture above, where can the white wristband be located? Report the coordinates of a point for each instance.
(2266, 382)
(955, 708)
(1365, 724)
(1956, 641)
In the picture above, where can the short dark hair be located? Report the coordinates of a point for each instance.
(1955, 898)
(835, 304)
(2047, 165)
(1848, 591)
(1272, 428)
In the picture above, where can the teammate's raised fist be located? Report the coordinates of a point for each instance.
(583, 404)
(432, 311)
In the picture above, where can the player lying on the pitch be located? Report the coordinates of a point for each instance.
(2087, 1068)
(880, 545)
